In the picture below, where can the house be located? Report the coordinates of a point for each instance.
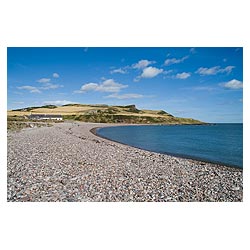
(45, 117)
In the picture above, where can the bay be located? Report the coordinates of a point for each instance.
(218, 143)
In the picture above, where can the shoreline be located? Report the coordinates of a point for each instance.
(67, 162)
(218, 164)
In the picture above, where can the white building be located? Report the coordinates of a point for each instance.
(45, 117)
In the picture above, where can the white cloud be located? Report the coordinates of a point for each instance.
(175, 61)
(166, 72)
(124, 96)
(120, 70)
(208, 71)
(142, 64)
(44, 80)
(31, 89)
(151, 72)
(89, 87)
(214, 70)
(228, 69)
(183, 75)
(233, 84)
(46, 86)
(58, 102)
(108, 85)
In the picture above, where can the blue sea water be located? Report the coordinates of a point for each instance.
(218, 143)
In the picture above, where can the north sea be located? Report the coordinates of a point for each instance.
(217, 143)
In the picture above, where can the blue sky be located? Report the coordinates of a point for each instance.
(202, 83)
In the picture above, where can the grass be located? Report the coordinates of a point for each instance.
(104, 113)
(18, 125)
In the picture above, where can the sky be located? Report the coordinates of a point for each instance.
(204, 83)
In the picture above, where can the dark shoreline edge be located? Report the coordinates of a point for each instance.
(201, 161)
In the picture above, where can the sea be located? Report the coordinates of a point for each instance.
(220, 143)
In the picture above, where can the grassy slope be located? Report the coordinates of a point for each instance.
(105, 113)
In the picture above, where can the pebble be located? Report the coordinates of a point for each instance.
(51, 164)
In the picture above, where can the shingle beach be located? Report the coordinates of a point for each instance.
(66, 162)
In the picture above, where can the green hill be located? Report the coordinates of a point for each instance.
(105, 114)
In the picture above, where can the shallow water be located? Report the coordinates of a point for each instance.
(218, 143)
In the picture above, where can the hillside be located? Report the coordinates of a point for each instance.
(104, 113)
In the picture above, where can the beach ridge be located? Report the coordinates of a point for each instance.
(68, 162)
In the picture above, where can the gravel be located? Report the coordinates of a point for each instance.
(67, 162)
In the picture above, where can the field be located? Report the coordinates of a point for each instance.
(104, 113)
